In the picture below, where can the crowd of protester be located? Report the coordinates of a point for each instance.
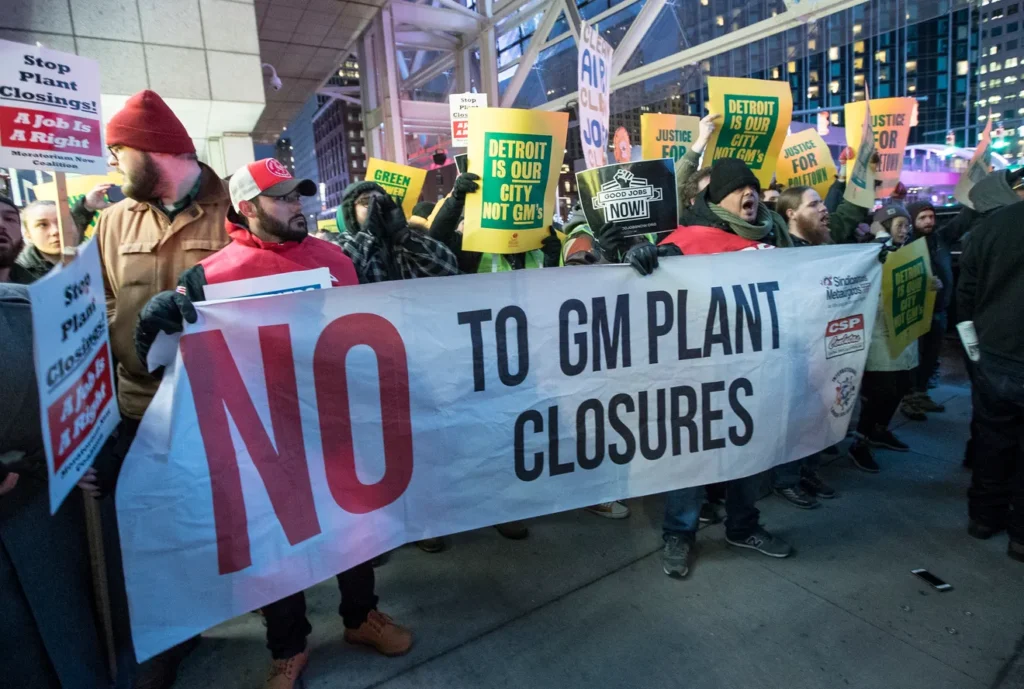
(181, 228)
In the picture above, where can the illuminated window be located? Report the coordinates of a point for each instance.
(1010, 62)
(775, 72)
(833, 87)
(858, 47)
(962, 67)
(857, 28)
(984, 69)
(1010, 80)
(835, 118)
(982, 86)
(911, 65)
(833, 53)
(814, 76)
(812, 92)
(704, 2)
(812, 44)
(720, 20)
(994, 67)
(912, 88)
(881, 55)
(791, 67)
(858, 63)
(994, 83)
(858, 79)
(995, 100)
(983, 102)
(993, 50)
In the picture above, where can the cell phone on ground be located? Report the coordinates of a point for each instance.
(936, 583)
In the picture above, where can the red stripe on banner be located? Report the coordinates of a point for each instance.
(39, 130)
(73, 415)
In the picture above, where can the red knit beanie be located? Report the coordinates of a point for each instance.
(146, 123)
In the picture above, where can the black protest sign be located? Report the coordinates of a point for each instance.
(460, 162)
(640, 197)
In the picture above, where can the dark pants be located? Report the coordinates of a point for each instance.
(929, 347)
(996, 495)
(682, 509)
(287, 626)
(882, 392)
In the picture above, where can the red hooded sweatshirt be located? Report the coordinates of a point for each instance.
(249, 257)
(700, 239)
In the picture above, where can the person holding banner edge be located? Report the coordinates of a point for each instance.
(269, 236)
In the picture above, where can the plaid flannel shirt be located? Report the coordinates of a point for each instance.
(419, 256)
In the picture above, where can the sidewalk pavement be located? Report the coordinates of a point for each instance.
(583, 602)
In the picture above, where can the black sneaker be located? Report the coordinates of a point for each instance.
(796, 496)
(712, 513)
(764, 543)
(812, 483)
(675, 556)
(981, 531)
(910, 409)
(863, 459)
(883, 437)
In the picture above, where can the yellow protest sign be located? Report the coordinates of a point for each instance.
(890, 123)
(755, 117)
(806, 162)
(667, 136)
(77, 187)
(907, 299)
(518, 155)
(402, 182)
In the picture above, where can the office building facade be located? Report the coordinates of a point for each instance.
(1001, 75)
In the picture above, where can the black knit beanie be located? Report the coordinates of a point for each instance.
(728, 175)
(916, 208)
(346, 216)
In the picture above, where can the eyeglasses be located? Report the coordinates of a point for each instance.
(113, 150)
(294, 197)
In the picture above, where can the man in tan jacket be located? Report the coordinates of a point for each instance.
(172, 218)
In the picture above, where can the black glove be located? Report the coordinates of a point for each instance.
(465, 184)
(164, 313)
(611, 241)
(643, 258)
(665, 250)
(386, 220)
(552, 248)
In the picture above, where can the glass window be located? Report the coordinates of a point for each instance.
(962, 67)
(1012, 9)
(833, 53)
(858, 47)
(1011, 45)
(1011, 27)
(1010, 62)
(942, 82)
(884, 90)
(997, 31)
(940, 64)
(911, 65)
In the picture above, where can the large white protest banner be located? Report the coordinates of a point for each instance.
(74, 369)
(298, 435)
(49, 110)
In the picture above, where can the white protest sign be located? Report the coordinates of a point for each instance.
(49, 110)
(298, 435)
(74, 369)
(594, 76)
(458, 108)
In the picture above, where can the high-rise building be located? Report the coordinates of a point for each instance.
(338, 132)
(927, 49)
(284, 152)
(1001, 75)
(302, 149)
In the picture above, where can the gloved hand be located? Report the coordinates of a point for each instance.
(552, 248)
(643, 258)
(899, 193)
(386, 220)
(164, 313)
(846, 154)
(465, 184)
(886, 250)
(611, 241)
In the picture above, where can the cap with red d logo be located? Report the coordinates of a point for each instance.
(267, 177)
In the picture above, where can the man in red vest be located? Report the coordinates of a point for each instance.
(269, 236)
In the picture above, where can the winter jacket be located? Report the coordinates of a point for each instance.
(377, 260)
(19, 396)
(33, 261)
(703, 232)
(143, 253)
(247, 256)
(991, 290)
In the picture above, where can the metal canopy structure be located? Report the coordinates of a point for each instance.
(414, 53)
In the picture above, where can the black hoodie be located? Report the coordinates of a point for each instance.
(991, 290)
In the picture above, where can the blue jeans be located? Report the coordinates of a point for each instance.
(682, 509)
(788, 475)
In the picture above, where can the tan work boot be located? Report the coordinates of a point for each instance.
(382, 634)
(284, 672)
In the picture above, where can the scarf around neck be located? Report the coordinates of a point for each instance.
(758, 230)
